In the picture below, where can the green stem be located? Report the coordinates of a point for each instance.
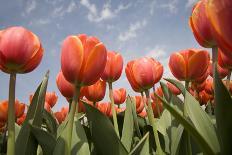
(11, 116)
(215, 61)
(113, 108)
(189, 148)
(152, 122)
(73, 109)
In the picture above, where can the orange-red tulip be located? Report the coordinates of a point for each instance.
(113, 68)
(143, 73)
(139, 104)
(189, 65)
(143, 114)
(224, 61)
(19, 110)
(119, 95)
(222, 72)
(159, 92)
(198, 86)
(20, 50)
(104, 107)
(65, 88)
(220, 14)
(209, 86)
(47, 106)
(201, 26)
(59, 116)
(51, 98)
(173, 88)
(21, 119)
(95, 92)
(204, 97)
(83, 59)
(155, 108)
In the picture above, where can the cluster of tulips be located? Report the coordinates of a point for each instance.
(189, 115)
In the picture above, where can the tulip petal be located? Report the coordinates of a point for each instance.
(177, 66)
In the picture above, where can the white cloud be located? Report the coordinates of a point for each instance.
(157, 52)
(152, 7)
(190, 3)
(39, 22)
(171, 6)
(95, 15)
(61, 10)
(132, 31)
(30, 6)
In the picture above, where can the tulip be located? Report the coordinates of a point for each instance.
(224, 61)
(95, 92)
(143, 114)
(104, 107)
(209, 86)
(83, 59)
(59, 117)
(119, 96)
(204, 98)
(173, 89)
(21, 119)
(139, 104)
(198, 86)
(51, 98)
(220, 14)
(157, 108)
(189, 65)
(222, 72)
(65, 88)
(143, 73)
(159, 92)
(113, 68)
(20, 52)
(200, 25)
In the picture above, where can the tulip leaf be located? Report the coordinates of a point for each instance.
(142, 147)
(223, 112)
(25, 142)
(128, 126)
(79, 140)
(45, 139)
(104, 136)
(176, 134)
(50, 122)
(204, 143)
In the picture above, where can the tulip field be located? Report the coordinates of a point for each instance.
(190, 114)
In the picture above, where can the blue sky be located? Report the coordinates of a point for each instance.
(134, 28)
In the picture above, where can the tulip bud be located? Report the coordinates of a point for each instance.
(119, 95)
(173, 88)
(51, 98)
(21, 119)
(224, 61)
(222, 72)
(20, 50)
(155, 106)
(113, 68)
(139, 104)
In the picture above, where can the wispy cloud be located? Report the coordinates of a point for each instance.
(95, 15)
(152, 7)
(62, 10)
(30, 6)
(171, 6)
(190, 3)
(39, 22)
(132, 31)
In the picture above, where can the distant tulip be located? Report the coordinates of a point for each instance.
(173, 88)
(143, 73)
(19, 110)
(65, 88)
(224, 61)
(189, 65)
(222, 72)
(143, 114)
(198, 86)
(209, 86)
(119, 110)
(204, 97)
(159, 92)
(157, 111)
(95, 92)
(59, 116)
(201, 26)
(113, 68)
(47, 107)
(139, 104)
(83, 59)
(20, 50)
(21, 119)
(119, 95)
(219, 13)
(104, 107)
(51, 98)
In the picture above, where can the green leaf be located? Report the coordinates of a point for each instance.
(142, 147)
(104, 136)
(26, 143)
(164, 122)
(223, 112)
(79, 140)
(17, 129)
(50, 122)
(176, 134)
(198, 136)
(45, 140)
(128, 126)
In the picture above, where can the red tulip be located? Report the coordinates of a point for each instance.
(209, 86)
(66, 88)
(200, 25)
(20, 50)
(189, 65)
(21, 119)
(139, 104)
(143, 114)
(113, 68)
(51, 98)
(47, 106)
(220, 14)
(143, 73)
(19, 110)
(155, 108)
(83, 59)
(105, 108)
(198, 86)
(173, 88)
(159, 92)
(59, 116)
(221, 71)
(204, 97)
(118, 110)
(224, 61)
(95, 92)
(119, 95)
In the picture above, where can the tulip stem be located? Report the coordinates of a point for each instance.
(228, 81)
(73, 109)
(215, 61)
(152, 122)
(189, 148)
(11, 116)
(113, 108)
